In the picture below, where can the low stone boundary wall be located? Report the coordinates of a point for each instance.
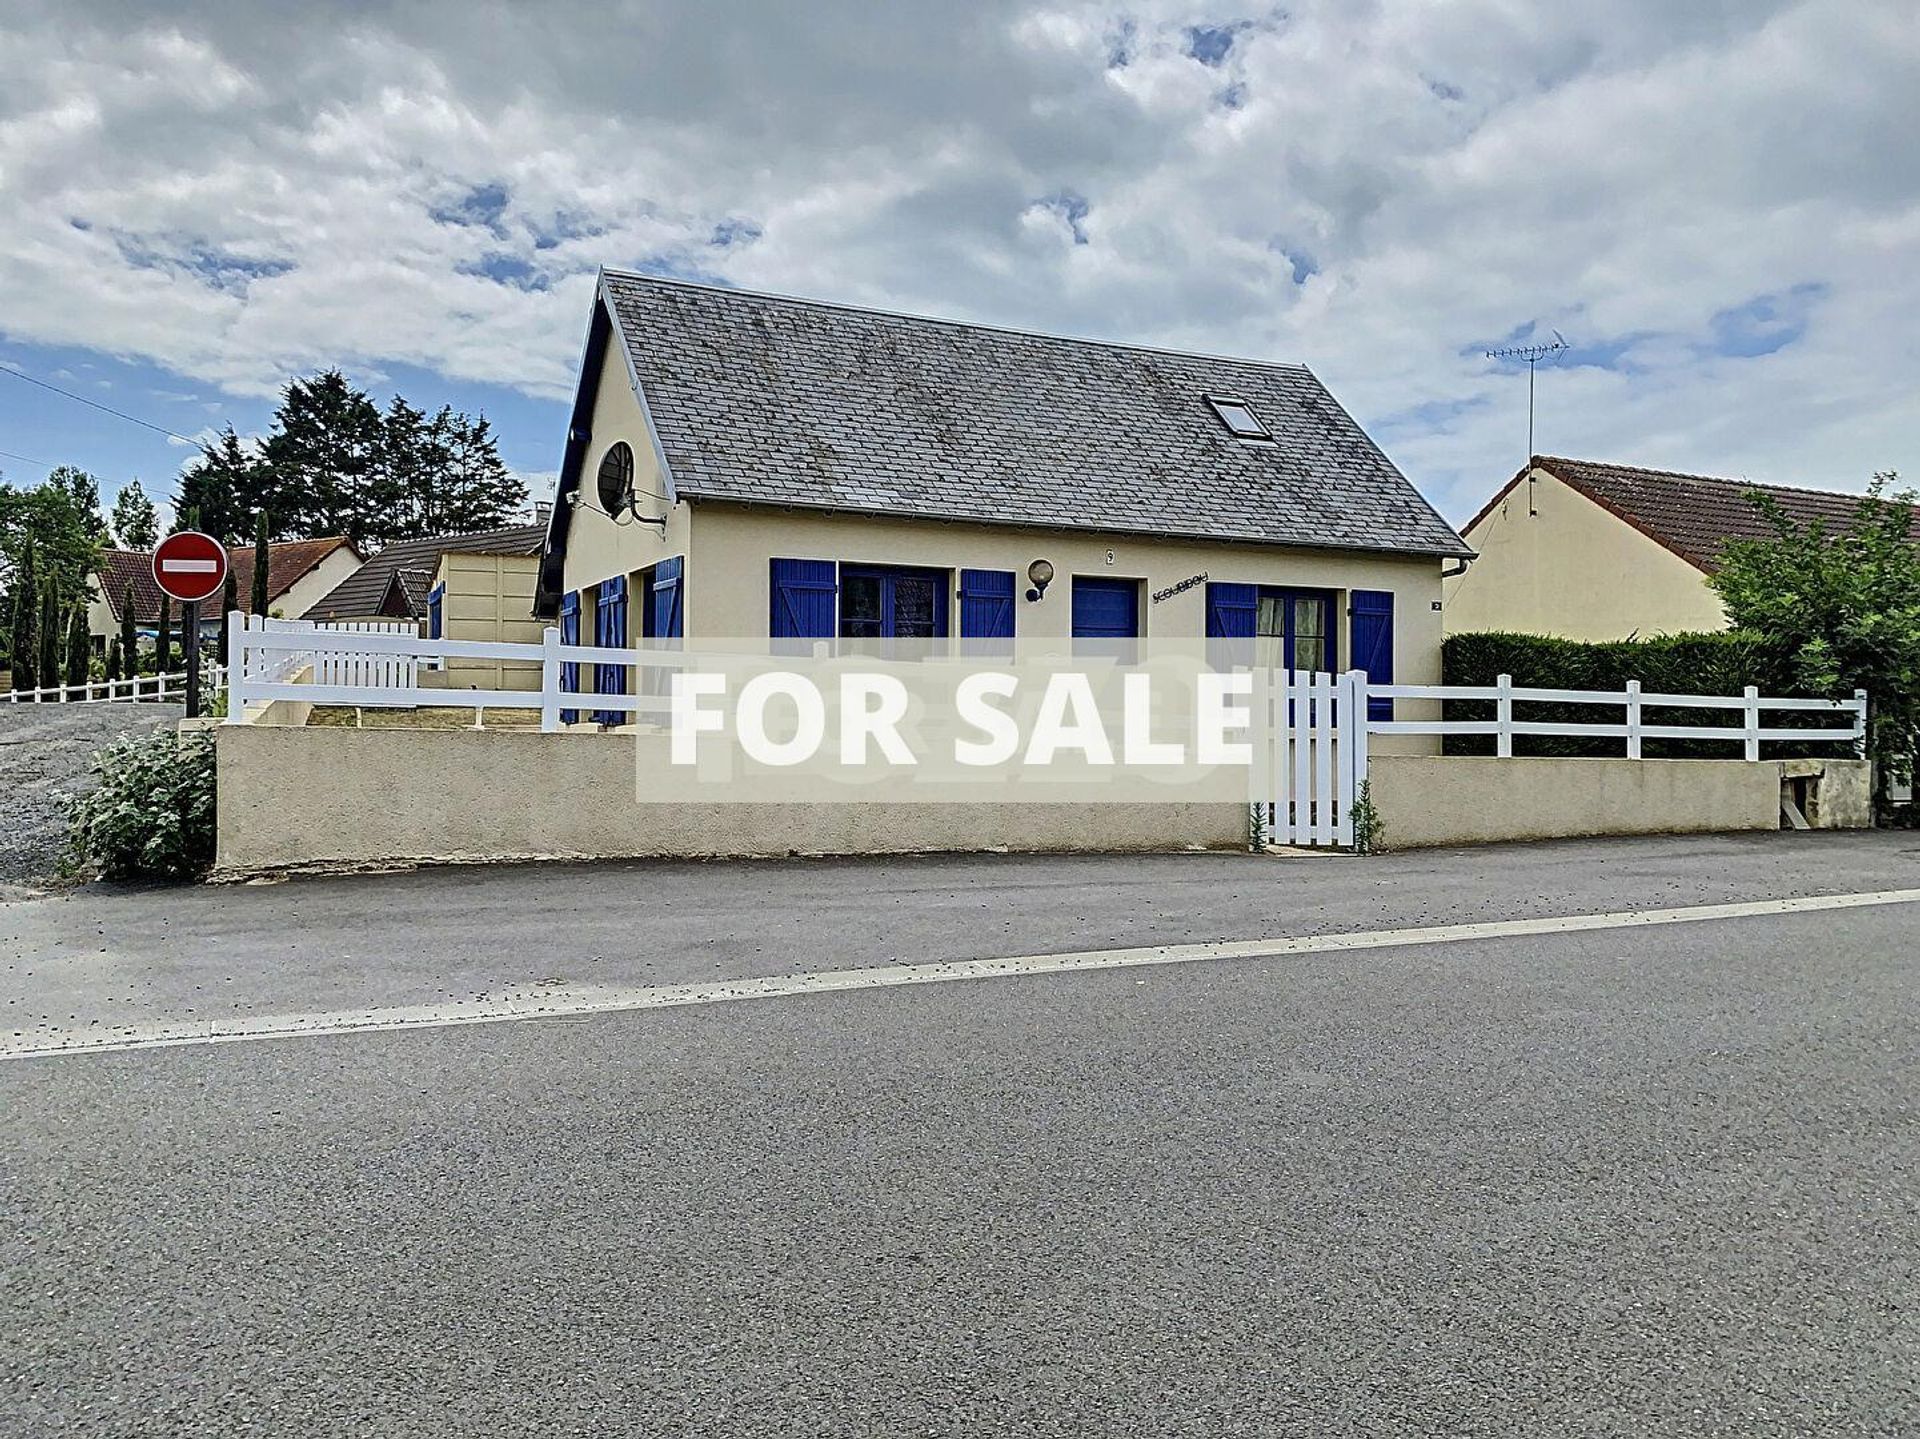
(1461, 799)
(293, 797)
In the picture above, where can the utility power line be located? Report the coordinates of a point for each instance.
(107, 409)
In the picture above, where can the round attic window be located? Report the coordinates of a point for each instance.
(616, 479)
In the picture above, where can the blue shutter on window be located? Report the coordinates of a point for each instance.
(1232, 614)
(570, 635)
(1231, 611)
(666, 617)
(803, 600)
(1105, 609)
(436, 611)
(610, 630)
(986, 608)
(1372, 646)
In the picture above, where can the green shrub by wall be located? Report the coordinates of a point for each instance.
(1705, 664)
(151, 813)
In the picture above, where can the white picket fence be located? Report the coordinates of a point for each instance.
(289, 652)
(1311, 731)
(137, 687)
(370, 666)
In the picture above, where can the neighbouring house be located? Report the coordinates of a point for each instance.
(1592, 551)
(456, 587)
(748, 466)
(299, 572)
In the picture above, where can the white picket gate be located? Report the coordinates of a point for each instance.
(1309, 754)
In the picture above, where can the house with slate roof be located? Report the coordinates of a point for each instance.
(1593, 551)
(746, 466)
(459, 587)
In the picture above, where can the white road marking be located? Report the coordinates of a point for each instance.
(560, 1003)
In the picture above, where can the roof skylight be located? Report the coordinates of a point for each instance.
(1238, 417)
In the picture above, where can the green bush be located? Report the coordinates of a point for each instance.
(1690, 664)
(151, 814)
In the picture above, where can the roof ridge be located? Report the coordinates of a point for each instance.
(810, 303)
(1687, 476)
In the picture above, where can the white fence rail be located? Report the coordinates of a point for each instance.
(369, 668)
(1633, 729)
(137, 687)
(1311, 731)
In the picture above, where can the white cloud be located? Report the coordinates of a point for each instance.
(1377, 190)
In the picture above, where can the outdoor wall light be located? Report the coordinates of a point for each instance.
(1040, 572)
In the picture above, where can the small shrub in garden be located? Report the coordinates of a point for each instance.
(151, 814)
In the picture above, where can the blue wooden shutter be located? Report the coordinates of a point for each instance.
(1372, 646)
(570, 635)
(986, 609)
(1232, 616)
(1105, 609)
(1232, 611)
(803, 600)
(610, 630)
(436, 611)
(666, 619)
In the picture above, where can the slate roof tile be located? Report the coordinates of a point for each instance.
(762, 399)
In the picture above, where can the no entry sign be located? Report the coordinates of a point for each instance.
(190, 566)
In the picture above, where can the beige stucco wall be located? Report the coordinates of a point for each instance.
(314, 585)
(597, 547)
(490, 598)
(322, 796)
(1575, 570)
(292, 797)
(1460, 799)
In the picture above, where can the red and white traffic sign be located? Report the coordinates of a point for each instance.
(190, 566)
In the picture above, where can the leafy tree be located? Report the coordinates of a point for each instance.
(23, 645)
(229, 602)
(116, 664)
(82, 494)
(333, 463)
(49, 658)
(1844, 606)
(221, 487)
(261, 555)
(163, 640)
(78, 649)
(135, 521)
(474, 490)
(322, 458)
(55, 522)
(129, 636)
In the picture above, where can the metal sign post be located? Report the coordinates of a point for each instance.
(190, 622)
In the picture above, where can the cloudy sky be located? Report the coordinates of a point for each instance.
(1716, 202)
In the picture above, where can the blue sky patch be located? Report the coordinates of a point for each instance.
(1211, 44)
(729, 233)
(1765, 324)
(510, 270)
(484, 206)
(1073, 209)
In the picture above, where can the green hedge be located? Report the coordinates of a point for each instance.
(1702, 664)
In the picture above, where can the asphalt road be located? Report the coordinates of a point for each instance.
(1648, 1182)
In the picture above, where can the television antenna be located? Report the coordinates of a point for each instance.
(1533, 355)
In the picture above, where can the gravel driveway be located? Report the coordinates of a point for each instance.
(44, 753)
